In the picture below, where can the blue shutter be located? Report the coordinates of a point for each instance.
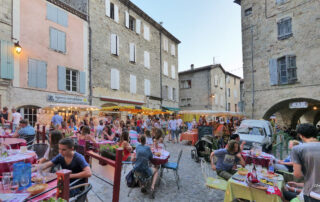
(41, 74)
(62, 17)
(52, 12)
(6, 60)
(32, 73)
(53, 39)
(61, 78)
(62, 41)
(82, 82)
(273, 71)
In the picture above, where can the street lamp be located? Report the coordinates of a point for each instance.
(17, 47)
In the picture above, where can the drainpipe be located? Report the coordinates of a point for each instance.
(90, 64)
(161, 67)
(252, 73)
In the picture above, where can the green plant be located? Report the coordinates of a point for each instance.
(109, 148)
(54, 200)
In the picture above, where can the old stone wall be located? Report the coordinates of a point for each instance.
(6, 19)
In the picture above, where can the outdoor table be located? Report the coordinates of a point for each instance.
(6, 163)
(15, 143)
(5, 135)
(237, 189)
(263, 159)
(160, 160)
(190, 136)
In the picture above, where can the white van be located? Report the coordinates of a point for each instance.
(256, 131)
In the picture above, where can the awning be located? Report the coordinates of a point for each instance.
(171, 109)
(71, 107)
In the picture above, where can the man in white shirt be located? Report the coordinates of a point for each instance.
(172, 126)
(16, 117)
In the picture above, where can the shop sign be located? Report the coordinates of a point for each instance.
(298, 105)
(67, 99)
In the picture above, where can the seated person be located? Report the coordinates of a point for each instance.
(292, 190)
(237, 138)
(133, 136)
(70, 160)
(149, 140)
(108, 134)
(226, 159)
(85, 136)
(141, 165)
(25, 131)
(53, 150)
(287, 164)
(124, 143)
(72, 126)
(158, 139)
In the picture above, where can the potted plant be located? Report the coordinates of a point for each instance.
(108, 151)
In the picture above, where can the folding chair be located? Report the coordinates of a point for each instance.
(40, 149)
(82, 196)
(174, 166)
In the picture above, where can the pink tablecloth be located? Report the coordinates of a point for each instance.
(15, 143)
(6, 164)
(163, 159)
(263, 160)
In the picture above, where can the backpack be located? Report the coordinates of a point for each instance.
(131, 182)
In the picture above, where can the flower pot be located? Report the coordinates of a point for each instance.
(108, 154)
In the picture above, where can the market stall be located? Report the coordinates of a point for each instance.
(189, 115)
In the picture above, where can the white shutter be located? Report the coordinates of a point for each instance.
(117, 79)
(118, 44)
(221, 101)
(132, 52)
(126, 18)
(170, 96)
(221, 83)
(138, 26)
(173, 71)
(116, 13)
(165, 44)
(147, 59)
(216, 80)
(113, 79)
(113, 44)
(133, 84)
(173, 50)
(147, 87)
(235, 93)
(107, 3)
(165, 68)
(146, 32)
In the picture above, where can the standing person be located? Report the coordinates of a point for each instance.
(306, 161)
(72, 118)
(16, 118)
(56, 119)
(86, 120)
(5, 114)
(157, 123)
(172, 126)
(149, 123)
(164, 125)
(100, 127)
(139, 124)
(179, 127)
(133, 134)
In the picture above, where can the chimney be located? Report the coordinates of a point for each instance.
(192, 66)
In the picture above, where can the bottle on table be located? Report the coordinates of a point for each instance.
(271, 166)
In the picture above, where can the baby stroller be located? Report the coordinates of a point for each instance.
(204, 147)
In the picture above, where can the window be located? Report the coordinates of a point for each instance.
(165, 68)
(132, 52)
(133, 84)
(221, 83)
(37, 74)
(228, 79)
(216, 81)
(173, 71)
(146, 32)
(164, 92)
(72, 82)
(184, 84)
(174, 94)
(235, 107)
(147, 87)
(57, 40)
(115, 79)
(248, 11)
(235, 93)
(29, 113)
(114, 44)
(173, 49)
(228, 92)
(170, 91)
(284, 28)
(165, 44)
(216, 99)
(132, 23)
(185, 102)
(287, 69)
(112, 10)
(147, 59)
(221, 101)
(57, 15)
(228, 108)
(182, 102)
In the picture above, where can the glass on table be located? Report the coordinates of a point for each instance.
(24, 181)
(6, 180)
(14, 186)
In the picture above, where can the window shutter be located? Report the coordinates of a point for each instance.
(107, 4)
(62, 41)
(6, 60)
(53, 39)
(147, 59)
(132, 52)
(41, 74)
(221, 101)
(117, 79)
(32, 73)
(216, 80)
(116, 13)
(138, 26)
(146, 33)
(127, 19)
(117, 45)
(113, 44)
(173, 71)
(273, 72)
(61, 78)
(113, 79)
(235, 93)
(52, 12)
(173, 50)
(82, 83)
(62, 17)
(165, 68)
(133, 84)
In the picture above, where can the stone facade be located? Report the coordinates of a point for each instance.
(233, 92)
(205, 88)
(261, 39)
(102, 61)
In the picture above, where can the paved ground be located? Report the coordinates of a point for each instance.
(192, 186)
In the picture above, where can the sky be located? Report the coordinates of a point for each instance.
(207, 29)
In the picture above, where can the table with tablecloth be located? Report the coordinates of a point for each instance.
(263, 159)
(160, 160)
(6, 163)
(15, 143)
(237, 189)
(190, 136)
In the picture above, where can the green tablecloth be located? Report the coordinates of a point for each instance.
(237, 189)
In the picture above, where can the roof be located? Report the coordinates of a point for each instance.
(149, 19)
(228, 73)
(237, 2)
(205, 68)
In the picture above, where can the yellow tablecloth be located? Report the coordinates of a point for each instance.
(236, 189)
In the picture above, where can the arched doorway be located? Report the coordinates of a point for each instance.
(29, 112)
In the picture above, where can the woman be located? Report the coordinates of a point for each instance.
(124, 143)
(85, 136)
(91, 125)
(158, 139)
(108, 134)
(53, 149)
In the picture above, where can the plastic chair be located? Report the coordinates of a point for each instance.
(212, 182)
(82, 196)
(40, 149)
(174, 166)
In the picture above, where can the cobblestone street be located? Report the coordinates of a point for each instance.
(192, 186)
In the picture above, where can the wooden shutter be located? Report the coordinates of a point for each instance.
(41, 74)
(6, 59)
(113, 44)
(62, 17)
(61, 78)
(107, 4)
(138, 26)
(117, 79)
(113, 79)
(117, 45)
(126, 14)
(273, 72)
(173, 71)
(32, 73)
(165, 68)
(52, 12)
(146, 32)
(133, 84)
(173, 50)
(82, 84)
(132, 52)
(116, 13)
(62, 41)
(53, 39)
(147, 59)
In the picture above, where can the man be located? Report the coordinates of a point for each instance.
(157, 123)
(227, 159)
(71, 160)
(56, 119)
(25, 131)
(172, 126)
(306, 160)
(16, 118)
(133, 134)
(179, 127)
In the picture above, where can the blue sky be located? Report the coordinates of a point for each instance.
(206, 29)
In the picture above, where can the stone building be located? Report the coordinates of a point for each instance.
(207, 88)
(281, 44)
(134, 59)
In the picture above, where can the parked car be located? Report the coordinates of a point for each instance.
(256, 131)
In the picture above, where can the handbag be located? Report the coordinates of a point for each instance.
(131, 182)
